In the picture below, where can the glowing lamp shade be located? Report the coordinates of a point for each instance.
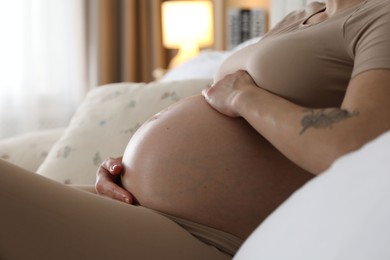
(187, 26)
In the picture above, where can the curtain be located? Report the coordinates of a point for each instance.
(130, 40)
(43, 63)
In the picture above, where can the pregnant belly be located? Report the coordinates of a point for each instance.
(193, 162)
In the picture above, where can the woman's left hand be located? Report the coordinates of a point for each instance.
(222, 95)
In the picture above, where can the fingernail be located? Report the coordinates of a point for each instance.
(114, 167)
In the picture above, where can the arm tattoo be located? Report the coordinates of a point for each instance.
(323, 118)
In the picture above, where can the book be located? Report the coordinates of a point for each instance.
(244, 24)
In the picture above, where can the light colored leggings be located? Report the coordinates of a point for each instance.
(42, 219)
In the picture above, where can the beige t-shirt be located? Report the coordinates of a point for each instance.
(312, 64)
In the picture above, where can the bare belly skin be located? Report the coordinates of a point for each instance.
(195, 163)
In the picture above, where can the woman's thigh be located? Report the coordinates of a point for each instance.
(42, 219)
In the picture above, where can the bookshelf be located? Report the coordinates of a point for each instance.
(235, 20)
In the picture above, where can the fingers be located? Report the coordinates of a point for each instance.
(112, 190)
(204, 93)
(107, 179)
(113, 165)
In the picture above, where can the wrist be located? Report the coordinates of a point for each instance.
(243, 100)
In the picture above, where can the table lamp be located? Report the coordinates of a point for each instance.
(187, 26)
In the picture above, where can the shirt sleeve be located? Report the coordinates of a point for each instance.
(371, 46)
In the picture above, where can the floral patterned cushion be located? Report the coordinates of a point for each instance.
(29, 150)
(104, 123)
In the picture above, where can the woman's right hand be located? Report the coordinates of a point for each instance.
(108, 181)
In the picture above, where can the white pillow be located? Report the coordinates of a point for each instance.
(29, 150)
(104, 123)
(342, 214)
(205, 65)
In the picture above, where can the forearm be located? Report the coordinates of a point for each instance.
(312, 138)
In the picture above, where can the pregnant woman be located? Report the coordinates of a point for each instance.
(203, 173)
